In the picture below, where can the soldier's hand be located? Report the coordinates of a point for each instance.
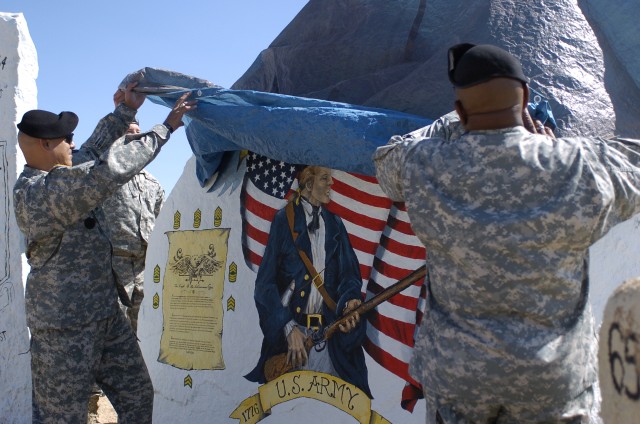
(182, 106)
(297, 354)
(535, 127)
(353, 321)
(118, 97)
(544, 130)
(132, 98)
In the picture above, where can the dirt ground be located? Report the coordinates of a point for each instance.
(102, 412)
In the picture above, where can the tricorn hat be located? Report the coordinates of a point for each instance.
(42, 124)
(471, 64)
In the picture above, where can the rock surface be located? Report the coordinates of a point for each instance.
(101, 411)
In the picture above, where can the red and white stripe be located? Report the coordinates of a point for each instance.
(390, 335)
(364, 208)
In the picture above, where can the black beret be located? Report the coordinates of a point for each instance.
(42, 124)
(471, 64)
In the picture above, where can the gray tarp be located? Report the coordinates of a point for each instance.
(392, 54)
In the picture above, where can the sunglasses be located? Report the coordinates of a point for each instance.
(67, 138)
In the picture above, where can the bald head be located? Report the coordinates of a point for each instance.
(496, 103)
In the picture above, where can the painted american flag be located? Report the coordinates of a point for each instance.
(381, 236)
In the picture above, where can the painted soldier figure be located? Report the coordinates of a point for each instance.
(310, 276)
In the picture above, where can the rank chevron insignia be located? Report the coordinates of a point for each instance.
(231, 304)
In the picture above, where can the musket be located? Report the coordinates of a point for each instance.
(277, 365)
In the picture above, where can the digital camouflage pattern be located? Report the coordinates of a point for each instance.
(66, 361)
(71, 296)
(130, 215)
(129, 273)
(71, 282)
(575, 411)
(447, 127)
(507, 218)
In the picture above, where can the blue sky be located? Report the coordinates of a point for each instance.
(86, 48)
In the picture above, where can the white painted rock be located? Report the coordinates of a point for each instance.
(18, 94)
(619, 355)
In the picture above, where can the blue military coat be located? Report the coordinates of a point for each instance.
(281, 264)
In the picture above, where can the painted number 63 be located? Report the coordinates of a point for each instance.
(624, 349)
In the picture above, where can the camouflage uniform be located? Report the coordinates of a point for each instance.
(131, 213)
(507, 218)
(129, 219)
(447, 127)
(79, 335)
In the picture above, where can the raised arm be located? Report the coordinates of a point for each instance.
(70, 193)
(111, 127)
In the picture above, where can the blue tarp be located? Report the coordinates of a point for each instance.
(286, 128)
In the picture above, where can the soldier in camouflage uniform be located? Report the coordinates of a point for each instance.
(507, 218)
(131, 213)
(78, 334)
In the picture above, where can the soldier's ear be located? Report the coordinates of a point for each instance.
(44, 144)
(461, 112)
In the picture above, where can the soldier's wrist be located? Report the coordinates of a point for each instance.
(169, 127)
